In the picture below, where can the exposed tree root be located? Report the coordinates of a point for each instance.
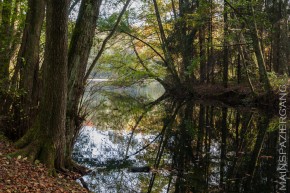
(28, 137)
(37, 149)
(73, 166)
(31, 151)
(43, 149)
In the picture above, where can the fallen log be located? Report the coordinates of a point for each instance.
(140, 169)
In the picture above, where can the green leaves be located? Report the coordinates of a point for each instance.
(107, 24)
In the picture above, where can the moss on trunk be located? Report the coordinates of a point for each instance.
(45, 140)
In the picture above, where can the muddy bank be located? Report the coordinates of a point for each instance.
(233, 96)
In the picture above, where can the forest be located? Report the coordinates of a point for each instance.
(230, 52)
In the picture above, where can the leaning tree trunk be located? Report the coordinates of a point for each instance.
(45, 140)
(78, 56)
(258, 51)
(80, 47)
(263, 124)
(164, 44)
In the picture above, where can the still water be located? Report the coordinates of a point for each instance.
(187, 146)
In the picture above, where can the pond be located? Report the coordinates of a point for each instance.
(143, 143)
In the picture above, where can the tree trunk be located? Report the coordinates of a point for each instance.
(210, 62)
(1, 7)
(45, 140)
(258, 51)
(5, 38)
(239, 69)
(226, 49)
(10, 33)
(28, 59)
(80, 46)
(275, 37)
(284, 46)
(245, 58)
(186, 39)
(164, 43)
(202, 55)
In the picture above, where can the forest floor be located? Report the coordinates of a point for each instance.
(18, 175)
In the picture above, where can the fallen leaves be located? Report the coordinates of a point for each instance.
(18, 175)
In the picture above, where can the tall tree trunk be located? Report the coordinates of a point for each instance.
(5, 32)
(186, 40)
(210, 62)
(279, 35)
(80, 46)
(28, 59)
(239, 69)
(275, 36)
(45, 140)
(202, 55)
(201, 39)
(10, 35)
(284, 46)
(5, 38)
(211, 59)
(226, 48)
(245, 58)
(258, 50)
(1, 7)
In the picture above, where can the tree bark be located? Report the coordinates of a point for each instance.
(258, 51)
(203, 69)
(80, 46)
(284, 46)
(239, 69)
(28, 59)
(279, 36)
(210, 60)
(45, 140)
(5, 32)
(186, 35)
(5, 38)
(226, 48)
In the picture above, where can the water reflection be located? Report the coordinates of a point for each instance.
(189, 147)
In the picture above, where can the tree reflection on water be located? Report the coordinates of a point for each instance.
(190, 146)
